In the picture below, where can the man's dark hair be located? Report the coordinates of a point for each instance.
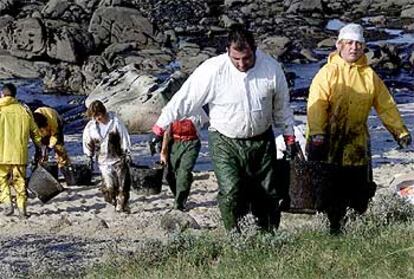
(241, 38)
(40, 120)
(9, 90)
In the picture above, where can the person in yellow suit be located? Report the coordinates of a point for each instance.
(16, 126)
(51, 129)
(340, 99)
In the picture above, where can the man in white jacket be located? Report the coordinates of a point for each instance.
(106, 135)
(246, 91)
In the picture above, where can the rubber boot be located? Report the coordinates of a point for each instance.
(69, 175)
(23, 213)
(8, 210)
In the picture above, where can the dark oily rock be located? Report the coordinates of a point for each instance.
(137, 98)
(408, 12)
(12, 67)
(68, 42)
(178, 221)
(6, 5)
(64, 10)
(305, 6)
(28, 38)
(231, 3)
(88, 5)
(64, 77)
(5, 31)
(275, 46)
(226, 21)
(151, 59)
(118, 24)
(30, 9)
(93, 70)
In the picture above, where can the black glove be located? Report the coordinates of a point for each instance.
(316, 148)
(127, 159)
(405, 141)
(291, 151)
(91, 162)
(155, 144)
(38, 155)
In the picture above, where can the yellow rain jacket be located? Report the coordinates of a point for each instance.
(16, 125)
(52, 128)
(340, 99)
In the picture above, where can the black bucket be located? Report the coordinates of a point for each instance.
(43, 184)
(309, 183)
(147, 180)
(77, 174)
(52, 168)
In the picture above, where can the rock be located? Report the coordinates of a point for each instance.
(97, 225)
(6, 5)
(308, 54)
(94, 69)
(28, 38)
(64, 77)
(137, 98)
(63, 10)
(305, 7)
(327, 43)
(275, 45)
(60, 224)
(178, 221)
(68, 42)
(12, 67)
(408, 13)
(118, 24)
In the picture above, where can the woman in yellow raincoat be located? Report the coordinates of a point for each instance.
(340, 99)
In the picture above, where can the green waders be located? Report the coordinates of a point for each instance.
(246, 174)
(183, 156)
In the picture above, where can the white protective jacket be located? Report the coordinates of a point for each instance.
(93, 140)
(241, 104)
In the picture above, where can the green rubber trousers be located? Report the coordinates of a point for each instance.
(246, 174)
(183, 156)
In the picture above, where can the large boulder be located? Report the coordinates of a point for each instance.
(119, 24)
(68, 42)
(12, 67)
(28, 38)
(137, 98)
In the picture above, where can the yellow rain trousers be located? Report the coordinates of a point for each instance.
(16, 126)
(15, 175)
(340, 99)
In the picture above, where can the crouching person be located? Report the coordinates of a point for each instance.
(50, 126)
(107, 137)
(16, 126)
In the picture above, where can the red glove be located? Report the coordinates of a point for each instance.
(289, 139)
(157, 130)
